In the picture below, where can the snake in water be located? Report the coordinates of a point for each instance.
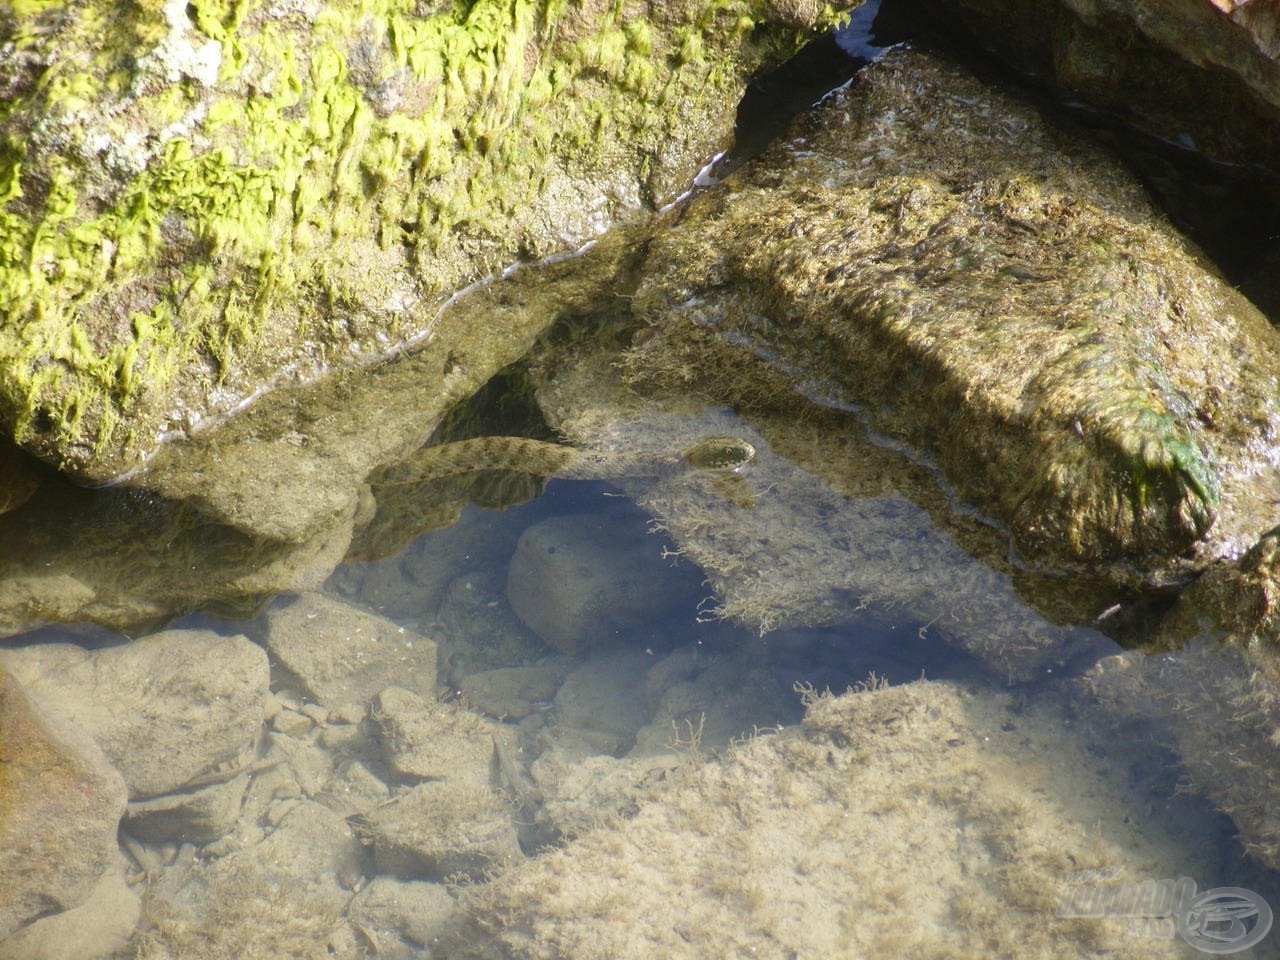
(723, 455)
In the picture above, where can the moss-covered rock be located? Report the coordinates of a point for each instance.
(1002, 296)
(199, 199)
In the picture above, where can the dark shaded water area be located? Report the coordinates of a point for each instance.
(632, 618)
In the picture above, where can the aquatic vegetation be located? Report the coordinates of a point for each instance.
(995, 293)
(196, 197)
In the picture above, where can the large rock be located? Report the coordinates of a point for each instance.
(60, 808)
(164, 709)
(129, 560)
(1191, 71)
(894, 822)
(1003, 297)
(207, 197)
(100, 927)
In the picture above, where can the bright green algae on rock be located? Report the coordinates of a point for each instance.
(196, 197)
(1002, 296)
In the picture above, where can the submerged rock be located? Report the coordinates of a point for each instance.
(131, 561)
(281, 897)
(165, 708)
(580, 580)
(1218, 706)
(340, 654)
(98, 928)
(1209, 682)
(199, 201)
(60, 808)
(390, 911)
(913, 820)
(422, 739)
(1002, 296)
(441, 830)
(511, 693)
(194, 816)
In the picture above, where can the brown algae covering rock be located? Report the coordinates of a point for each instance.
(912, 821)
(198, 200)
(1001, 295)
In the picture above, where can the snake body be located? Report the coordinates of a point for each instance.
(521, 454)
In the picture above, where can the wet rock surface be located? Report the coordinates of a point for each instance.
(221, 223)
(1003, 297)
(1197, 71)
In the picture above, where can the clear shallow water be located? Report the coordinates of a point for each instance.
(732, 682)
(855, 556)
(659, 680)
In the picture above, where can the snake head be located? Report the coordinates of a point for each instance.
(720, 453)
